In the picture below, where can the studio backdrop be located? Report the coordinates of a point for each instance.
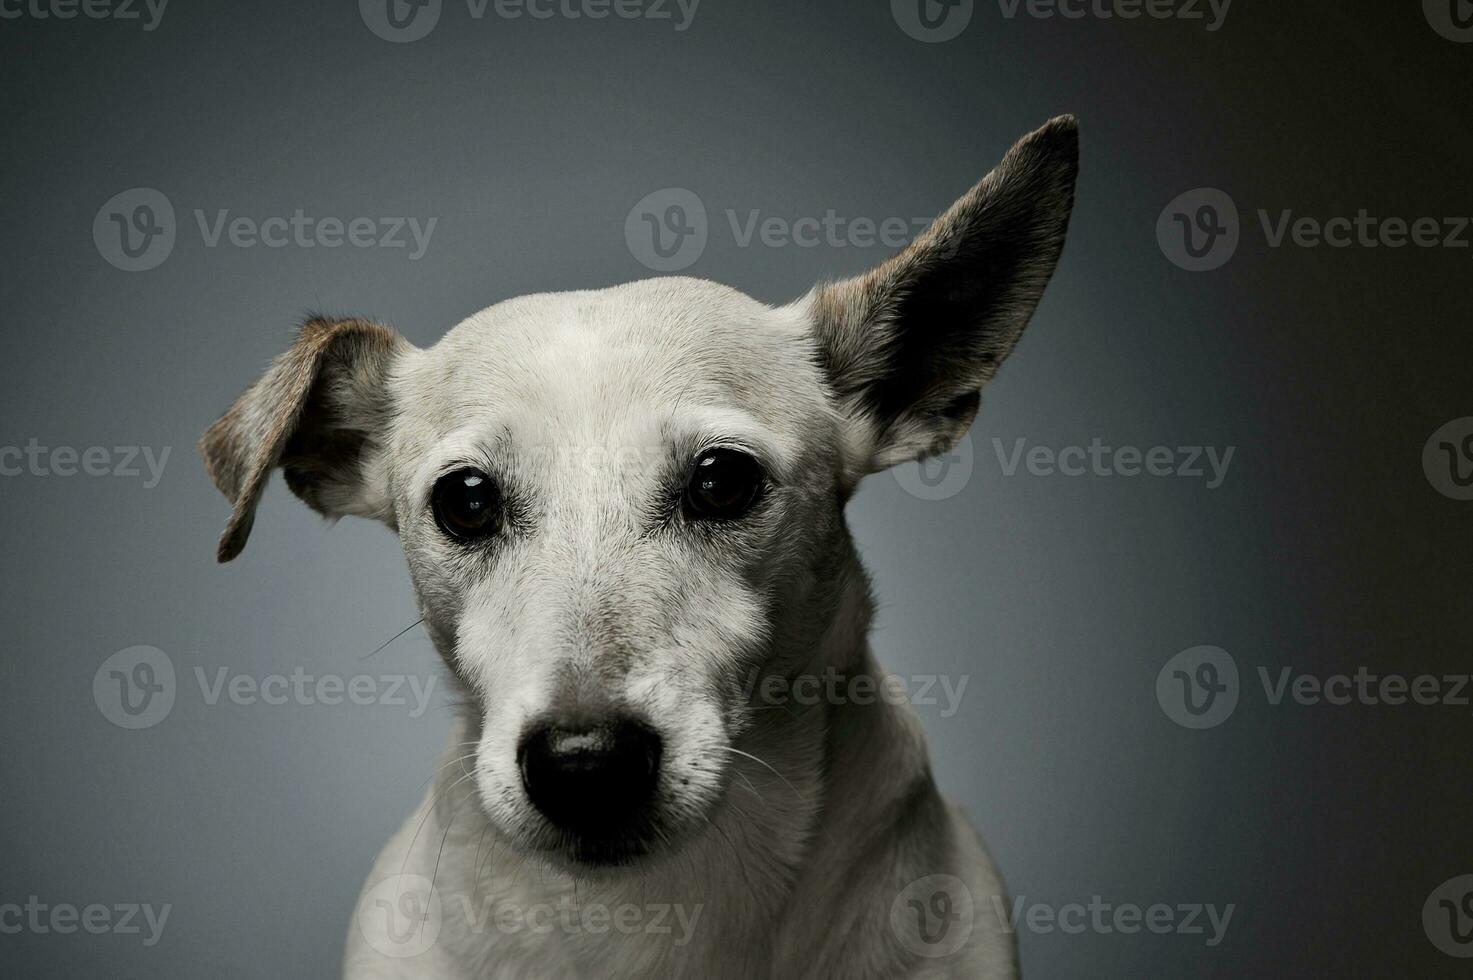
(1185, 616)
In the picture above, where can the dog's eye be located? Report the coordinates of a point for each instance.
(467, 504)
(722, 484)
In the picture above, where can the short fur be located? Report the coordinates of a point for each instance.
(793, 828)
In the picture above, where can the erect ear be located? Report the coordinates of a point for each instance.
(908, 346)
(320, 412)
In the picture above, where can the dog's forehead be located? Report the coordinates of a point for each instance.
(636, 353)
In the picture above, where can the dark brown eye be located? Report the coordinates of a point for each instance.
(722, 484)
(467, 504)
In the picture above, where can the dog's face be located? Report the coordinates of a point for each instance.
(604, 498)
(618, 506)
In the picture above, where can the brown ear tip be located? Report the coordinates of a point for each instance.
(233, 539)
(1049, 154)
(1057, 137)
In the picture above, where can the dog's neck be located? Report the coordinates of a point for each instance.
(815, 786)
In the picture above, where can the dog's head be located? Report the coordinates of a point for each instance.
(616, 505)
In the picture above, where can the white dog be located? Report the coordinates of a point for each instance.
(623, 513)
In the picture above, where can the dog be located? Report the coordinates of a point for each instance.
(623, 516)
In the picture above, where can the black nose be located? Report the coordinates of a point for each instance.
(590, 779)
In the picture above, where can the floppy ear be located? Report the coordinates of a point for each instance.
(320, 413)
(908, 346)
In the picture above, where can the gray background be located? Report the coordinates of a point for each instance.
(1060, 598)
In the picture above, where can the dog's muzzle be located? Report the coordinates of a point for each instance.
(596, 782)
